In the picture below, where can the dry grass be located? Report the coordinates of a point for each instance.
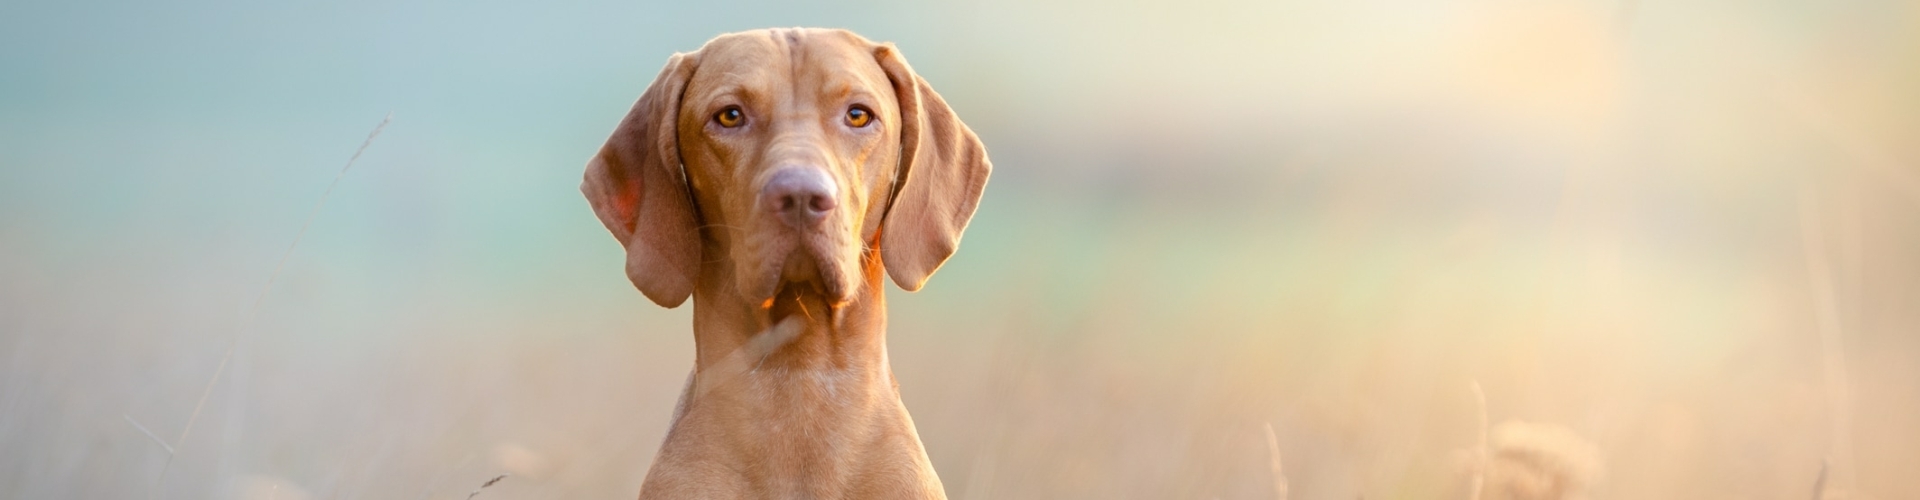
(242, 326)
(1539, 462)
(485, 485)
(1674, 262)
(1273, 454)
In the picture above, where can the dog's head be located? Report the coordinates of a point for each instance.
(800, 156)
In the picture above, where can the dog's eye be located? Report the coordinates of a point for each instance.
(858, 116)
(730, 117)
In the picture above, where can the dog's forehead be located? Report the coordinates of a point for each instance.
(787, 57)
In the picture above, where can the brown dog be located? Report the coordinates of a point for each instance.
(772, 175)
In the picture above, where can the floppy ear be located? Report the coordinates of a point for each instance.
(943, 169)
(638, 190)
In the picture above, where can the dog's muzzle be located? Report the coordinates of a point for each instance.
(800, 196)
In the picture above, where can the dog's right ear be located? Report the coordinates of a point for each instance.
(637, 188)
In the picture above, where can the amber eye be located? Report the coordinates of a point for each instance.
(730, 117)
(858, 116)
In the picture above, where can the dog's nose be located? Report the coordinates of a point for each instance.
(800, 196)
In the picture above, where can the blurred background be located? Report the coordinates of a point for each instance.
(1674, 244)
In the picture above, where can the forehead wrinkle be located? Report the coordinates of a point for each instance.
(840, 90)
(742, 81)
(792, 41)
(744, 59)
(723, 91)
(833, 58)
(862, 88)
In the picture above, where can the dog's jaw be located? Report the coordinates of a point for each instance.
(823, 264)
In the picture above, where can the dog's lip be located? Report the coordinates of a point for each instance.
(799, 287)
(800, 266)
(808, 298)
(804, 269)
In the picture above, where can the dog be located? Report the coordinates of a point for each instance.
(774, 176)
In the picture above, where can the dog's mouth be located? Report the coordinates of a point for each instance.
(793, 299)
(803, 285)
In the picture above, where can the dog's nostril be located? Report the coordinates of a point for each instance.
(822, 203)
(809, 201)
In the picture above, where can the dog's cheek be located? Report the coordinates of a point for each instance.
(873, 206)
(847, 268)
(754, 268)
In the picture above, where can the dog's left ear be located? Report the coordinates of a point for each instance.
(638, 190)
(943, 169)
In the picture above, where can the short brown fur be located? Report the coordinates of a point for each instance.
(791, 395)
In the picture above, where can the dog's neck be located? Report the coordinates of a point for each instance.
(796, 332)
(806, 403)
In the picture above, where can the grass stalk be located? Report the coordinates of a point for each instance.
(1273, 459)
(240, 327)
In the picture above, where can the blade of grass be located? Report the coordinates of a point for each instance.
(1273, 459)
(1481, 452)
(1833, 356)
(150, 435)
(241, 326)
(496, 479)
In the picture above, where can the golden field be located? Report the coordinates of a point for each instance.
(1639, 250)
